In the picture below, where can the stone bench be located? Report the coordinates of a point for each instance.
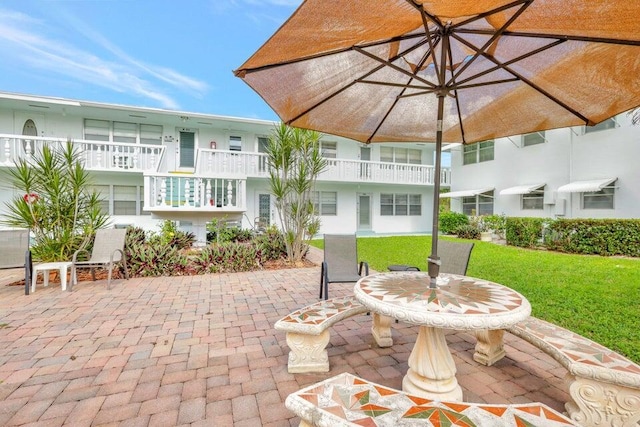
(604, 386)
(346, 400)
(307, 332)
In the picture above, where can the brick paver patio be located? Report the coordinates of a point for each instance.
(201, 350)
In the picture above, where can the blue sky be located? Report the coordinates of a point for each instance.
(170, 54)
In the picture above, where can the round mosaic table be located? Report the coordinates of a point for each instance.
(458, 302)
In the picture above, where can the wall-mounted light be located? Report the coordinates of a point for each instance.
(184, 118)
(168, 138)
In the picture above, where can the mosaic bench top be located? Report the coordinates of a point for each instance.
(579, 355)
(315, 318)
(346, 400)
(458, 302)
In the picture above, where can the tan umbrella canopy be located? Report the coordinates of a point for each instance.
(449, 71)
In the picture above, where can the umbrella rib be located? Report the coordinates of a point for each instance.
(493, 82)
(490, 12)
(369, 73)
(523, 6)
(244, 71)
(455, 90)
(564, 37)
(511, 61)
(405, 86)
(525, 80)
(395, 67)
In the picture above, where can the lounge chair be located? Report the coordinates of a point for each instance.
(340, 263)
(108, 249)
(454, 258)
(15, 253)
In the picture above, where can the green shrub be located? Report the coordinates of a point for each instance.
(595, 236)
(271, 244)
(468, 232)
(227, 257)
(219, 232)
(450, 221)
(524, 232)
(169, 252)
(170, 235)
(54, 199)
(496, 223)
(154, 260)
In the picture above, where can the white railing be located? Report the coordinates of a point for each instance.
(222, 163)
(169, 192)
(95, 155)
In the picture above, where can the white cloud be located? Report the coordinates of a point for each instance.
(25, 42)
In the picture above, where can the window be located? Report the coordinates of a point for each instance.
(124, 199)
(325, 202)
(400, 155)
(482, 204)
(400, 204)
(151, 134)
(125, 132)
(478, 152)
(533, 200)
(606, 124)
(602, 199)
(263, 147)
(97, 130)
(533, 139)
(235, 143)
(329, 149)
(104, 193)
(130, 133)
(120, 199)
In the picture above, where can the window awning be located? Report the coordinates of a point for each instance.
(521, 189)
(585, 186)
(465, 193)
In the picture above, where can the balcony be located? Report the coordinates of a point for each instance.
(254, 165)
(95, 155)
(191, 194)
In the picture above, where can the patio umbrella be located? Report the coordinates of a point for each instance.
(447, 71)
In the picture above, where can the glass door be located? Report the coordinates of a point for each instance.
(187, 149)
(364, 212)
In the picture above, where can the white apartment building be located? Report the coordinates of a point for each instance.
(578, 172)
(152, 164)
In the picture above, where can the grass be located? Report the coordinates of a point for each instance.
(597, 297)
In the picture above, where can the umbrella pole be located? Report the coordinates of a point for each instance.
(434, 259)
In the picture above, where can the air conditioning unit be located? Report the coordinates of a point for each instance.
(561, 207)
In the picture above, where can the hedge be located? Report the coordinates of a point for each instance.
(595, 236)
(524, 232)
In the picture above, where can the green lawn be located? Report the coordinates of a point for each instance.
(597, 297)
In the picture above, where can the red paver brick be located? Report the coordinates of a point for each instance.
(192, 410)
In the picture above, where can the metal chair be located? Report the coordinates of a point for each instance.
(108, 249)
(340, 263)
(15, 253)
(454, 258)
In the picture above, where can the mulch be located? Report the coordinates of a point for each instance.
(101, 274)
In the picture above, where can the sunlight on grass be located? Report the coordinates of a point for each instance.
(597, 297)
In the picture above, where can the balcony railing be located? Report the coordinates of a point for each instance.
(172, 192)
(95, 155)
(221, 163)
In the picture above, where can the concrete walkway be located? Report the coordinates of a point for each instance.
(202, 351)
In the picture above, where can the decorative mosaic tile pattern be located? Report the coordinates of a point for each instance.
(578, 349)
(314, 318)
(458, 302)
(349, 400)
(453, 294)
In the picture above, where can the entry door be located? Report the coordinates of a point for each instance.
(187, 149)
(264, 209)
(364, 212)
